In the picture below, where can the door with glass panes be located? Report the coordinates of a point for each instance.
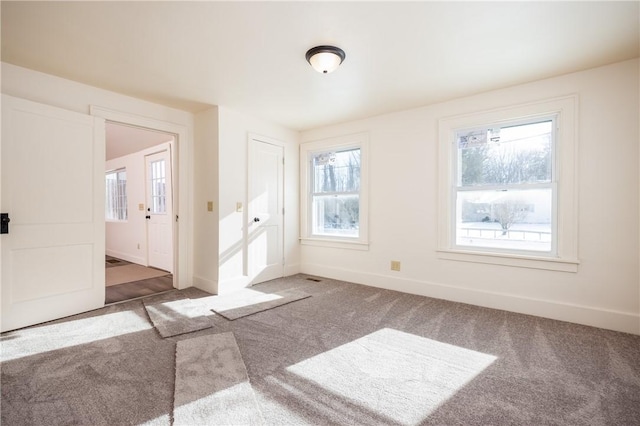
(159, 211)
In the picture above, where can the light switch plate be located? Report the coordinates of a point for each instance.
(210, 206)
(239, 207)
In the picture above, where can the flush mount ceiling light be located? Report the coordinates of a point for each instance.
(325, 59)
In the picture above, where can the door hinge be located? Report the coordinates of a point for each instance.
(176, 218)
(283, 211)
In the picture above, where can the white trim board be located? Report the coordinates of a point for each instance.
(596, 317)
(182, 181)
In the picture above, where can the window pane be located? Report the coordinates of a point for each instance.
(336, 171)
(336, 215)
(515, 219)
(116, 195)
(158, 189)
(505, 155)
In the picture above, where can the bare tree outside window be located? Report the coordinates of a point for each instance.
(504, 183)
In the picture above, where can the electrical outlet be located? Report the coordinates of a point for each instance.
(395, 265)
(239, 207)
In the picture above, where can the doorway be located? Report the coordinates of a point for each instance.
(139, 211)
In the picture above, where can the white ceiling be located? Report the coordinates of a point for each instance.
(249, 56)
(122, 140)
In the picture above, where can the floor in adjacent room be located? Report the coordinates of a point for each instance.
(130, 285)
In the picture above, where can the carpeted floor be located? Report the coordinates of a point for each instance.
(350, 354)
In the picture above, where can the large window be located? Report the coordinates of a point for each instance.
(333, 173)
(507, 191)
(116, 192)
(505, 187)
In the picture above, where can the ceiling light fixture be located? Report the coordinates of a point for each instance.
(325, 59)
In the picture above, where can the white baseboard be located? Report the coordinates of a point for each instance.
(205, 284)
(291, 269)
(125, 256)
(596, 317)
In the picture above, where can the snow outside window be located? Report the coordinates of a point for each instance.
(507, 186)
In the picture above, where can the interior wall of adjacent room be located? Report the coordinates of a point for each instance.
(128, 239)
(51, 90)
(403, 205)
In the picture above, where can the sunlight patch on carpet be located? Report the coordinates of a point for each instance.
(175, 317)
(398, 376)
(212, 386)
(248, 302)
(51, 337)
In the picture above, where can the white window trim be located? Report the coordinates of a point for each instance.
(566, 162)
(359, 140)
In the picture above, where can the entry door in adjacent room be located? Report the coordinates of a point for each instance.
(265, 213)
(52, 189)
(159, 210)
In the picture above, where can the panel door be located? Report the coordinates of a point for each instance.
(159, 211)
(52, 168)
(265, 214)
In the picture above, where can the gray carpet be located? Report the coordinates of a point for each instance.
(469, 365)
(173, 314)
(212, 387)
(250, 301)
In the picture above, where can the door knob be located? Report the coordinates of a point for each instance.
(147, 217)
(4, 223)
(256, 219)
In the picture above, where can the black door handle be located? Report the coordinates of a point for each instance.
(256, 219)
(4, 223)
(147, 217)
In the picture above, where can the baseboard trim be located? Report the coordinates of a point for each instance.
(291, 269)
(585, 315)
(206, 285)
(127, 257)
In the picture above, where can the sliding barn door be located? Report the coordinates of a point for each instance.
(52, 169)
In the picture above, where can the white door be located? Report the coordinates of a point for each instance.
(53, 186)
(159, 211)
(265, 213)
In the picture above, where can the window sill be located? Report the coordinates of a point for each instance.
(532, 262)
(333, 243)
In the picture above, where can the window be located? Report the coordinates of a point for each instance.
(157, 175)
(333, 198)
(116, 192)
(507, 186)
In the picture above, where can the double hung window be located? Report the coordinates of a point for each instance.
(507, 181)
(505, 188)
(116, 195)
(333, 198)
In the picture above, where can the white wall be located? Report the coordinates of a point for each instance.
(403, 205)
(205, 225)
(47, 89)
(128, 239)
(233, 156)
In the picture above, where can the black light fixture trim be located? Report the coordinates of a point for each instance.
(328, 49)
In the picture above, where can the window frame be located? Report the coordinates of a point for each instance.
(564, 254)
(307, 150)
(552, 184)
(123, 208)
